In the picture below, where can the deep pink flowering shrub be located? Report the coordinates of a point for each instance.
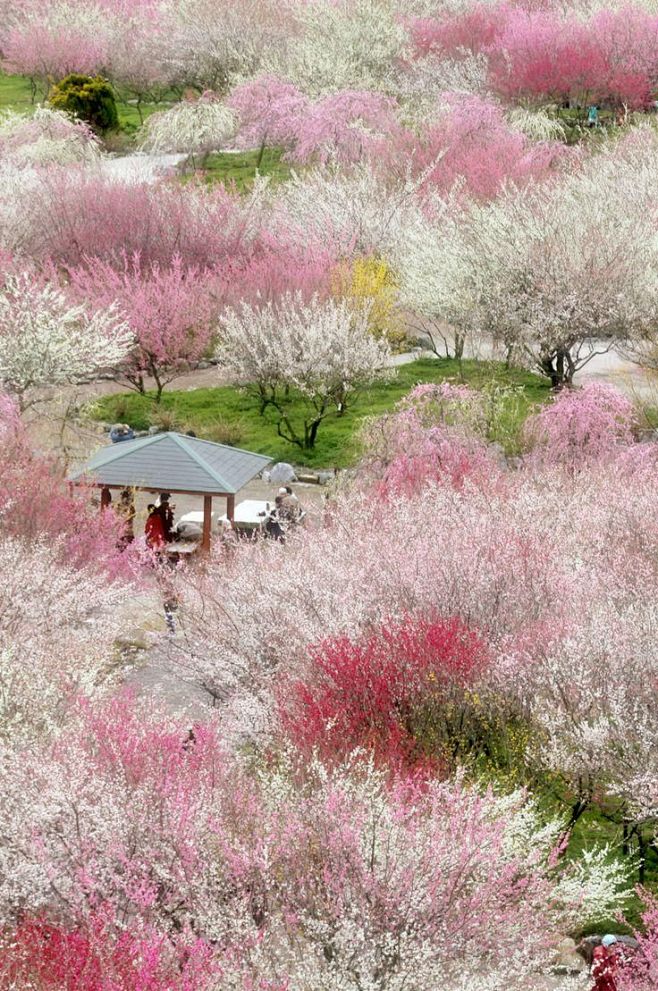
(369, 694)
(52, 957)
(472, 146)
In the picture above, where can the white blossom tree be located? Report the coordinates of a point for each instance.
(349, 44)
(214, 43)
(316, 354)
(195, 127)
(58, 625)
(430, 266)
(46, 136)
(557, 273)
(44, 340)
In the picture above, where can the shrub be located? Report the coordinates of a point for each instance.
(382, 693)
(89, 99)
(165, 419)
(222, 430)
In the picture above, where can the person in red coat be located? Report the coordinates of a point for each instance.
(604, 965)
(154, 529)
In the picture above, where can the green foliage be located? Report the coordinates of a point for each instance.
(479, 732)
(338, 441)
(89, 99)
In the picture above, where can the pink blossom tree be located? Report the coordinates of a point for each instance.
(71, 214)
(579, 426)
(36, 505)
(168, 310)
(51, 40)
(472, 147)
(345, 127)
(269, 111)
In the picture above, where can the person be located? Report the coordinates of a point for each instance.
(275, 524)
(121, 431)
(166, 511)
(593, 116)
(170, 605)
(290, 509)
(604, 964)
(154, 529)
(125, 510)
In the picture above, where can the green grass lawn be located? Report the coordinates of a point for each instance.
(239, 169)
(230, 415)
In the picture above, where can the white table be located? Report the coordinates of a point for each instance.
(249, 514)
(195, 517)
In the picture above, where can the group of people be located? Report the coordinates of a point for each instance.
(159, 529)
(287, 512)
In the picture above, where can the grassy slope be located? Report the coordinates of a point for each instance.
(200, 409)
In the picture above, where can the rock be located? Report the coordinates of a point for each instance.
(282, 474)
(567, 961)
(325, 477)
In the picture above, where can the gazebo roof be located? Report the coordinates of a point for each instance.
(170, 462)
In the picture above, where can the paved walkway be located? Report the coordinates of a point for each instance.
(140, 167)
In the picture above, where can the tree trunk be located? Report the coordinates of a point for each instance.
(310, 435)
(559, 367)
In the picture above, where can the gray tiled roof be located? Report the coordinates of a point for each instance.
(173, 462)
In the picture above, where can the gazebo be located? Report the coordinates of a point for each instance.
(171, 462)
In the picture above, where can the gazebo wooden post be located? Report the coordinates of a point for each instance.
(230, 508)
(207, 523)
(106, 498)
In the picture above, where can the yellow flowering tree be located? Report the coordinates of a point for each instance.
(370, 282)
